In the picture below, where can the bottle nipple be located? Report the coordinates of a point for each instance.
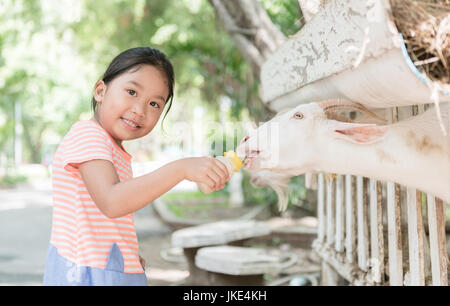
(235, 159)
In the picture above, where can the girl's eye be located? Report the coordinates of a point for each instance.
(298, 115)
(132, 92)
(154, 104)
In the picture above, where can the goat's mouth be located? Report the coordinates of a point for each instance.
(250, 156)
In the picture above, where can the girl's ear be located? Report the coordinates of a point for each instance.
(99, 91)
(359, 133)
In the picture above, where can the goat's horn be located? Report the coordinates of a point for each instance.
(339, 104)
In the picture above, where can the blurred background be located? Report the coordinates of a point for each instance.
(53, 52)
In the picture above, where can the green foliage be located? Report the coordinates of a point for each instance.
(285, 14)
(12, 180)
(193, 195)
(195, 203)
(255, 195)
(265, 195)
(53, 52)
(183, 210)
(34, 73)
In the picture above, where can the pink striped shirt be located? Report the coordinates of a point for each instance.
(80, 231)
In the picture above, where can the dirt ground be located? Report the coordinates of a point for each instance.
(167, 266)
(154, 239)
(160, 271)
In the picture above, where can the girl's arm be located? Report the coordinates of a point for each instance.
(117, 199)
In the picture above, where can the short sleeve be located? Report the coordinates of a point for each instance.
(85, 142)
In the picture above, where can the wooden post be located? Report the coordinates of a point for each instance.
(394, 237)
(394, 225)
(438, 251)
(320, 207)
(329, 277)
(361, 208)
(330, 211)
(415, 237)
(350, 218)
(376, 232)
(339, 246)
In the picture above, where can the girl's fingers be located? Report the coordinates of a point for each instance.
(221, 174)
(215, 177)
(210, 182)
(224, 169)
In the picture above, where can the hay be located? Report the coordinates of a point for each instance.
(425, 26)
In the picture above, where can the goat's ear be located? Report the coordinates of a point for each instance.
(359, 133)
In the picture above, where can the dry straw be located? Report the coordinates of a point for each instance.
(425, 26)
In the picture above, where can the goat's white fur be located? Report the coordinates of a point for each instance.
(413, 152)
(279, 182)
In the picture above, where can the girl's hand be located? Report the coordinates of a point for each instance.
(142, 261)
(207, 170)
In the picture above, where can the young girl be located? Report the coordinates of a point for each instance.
(93, 240)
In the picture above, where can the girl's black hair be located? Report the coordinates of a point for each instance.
(134, 57)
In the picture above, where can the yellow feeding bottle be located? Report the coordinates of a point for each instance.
(233, 164)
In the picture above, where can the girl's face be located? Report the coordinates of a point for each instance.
(131, 104)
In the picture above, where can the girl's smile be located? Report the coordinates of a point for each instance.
(133, 126)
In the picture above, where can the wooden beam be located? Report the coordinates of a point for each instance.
(340, 225)
(321, 207)
(361, 208)
(350, 218)
(376, 232)
(394, 236)
(438, 251)
(345, 269)
(330, 210)
(415, 237)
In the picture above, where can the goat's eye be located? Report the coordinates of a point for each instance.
(298, 115)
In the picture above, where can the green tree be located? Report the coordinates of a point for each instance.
(52, 52)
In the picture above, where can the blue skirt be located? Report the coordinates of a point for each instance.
(59, 271)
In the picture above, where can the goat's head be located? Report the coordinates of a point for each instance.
(289, 143)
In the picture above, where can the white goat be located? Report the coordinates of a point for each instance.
(413, 152)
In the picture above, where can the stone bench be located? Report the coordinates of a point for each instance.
(191, 239)
(235, 266)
